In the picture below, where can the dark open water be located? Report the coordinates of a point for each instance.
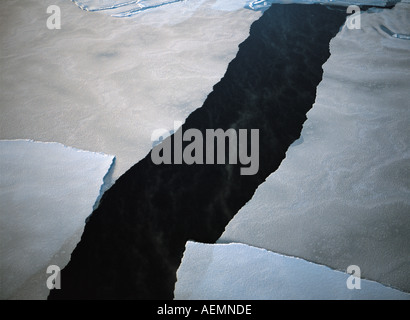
(134, 241)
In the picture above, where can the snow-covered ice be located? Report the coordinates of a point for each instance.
(240, 272)
(102, 84)
(47, 190)
(342, 194)
(263, 4)
(105, 84)
(127, 8)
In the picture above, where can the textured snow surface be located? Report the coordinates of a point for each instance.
(342, 195)
(240, 272)
(47, 191)
(105, 84)
(124, 8)
(127, 8)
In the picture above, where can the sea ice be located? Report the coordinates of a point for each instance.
(105, 84)
(240, 272)
(47, 190)
(342, 195)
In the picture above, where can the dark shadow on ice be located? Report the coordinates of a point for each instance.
(108, 181)
(298, 142)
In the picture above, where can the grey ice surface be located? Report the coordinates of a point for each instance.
(342, 194)
(240, 272)
(105, 84)
(47, 190)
